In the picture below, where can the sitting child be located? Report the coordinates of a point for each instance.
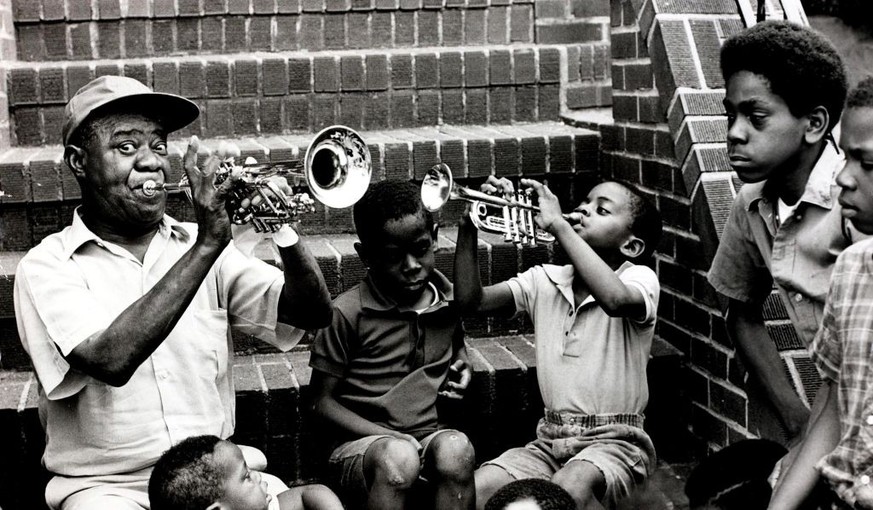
(206, 472)
(838, 447)
(396, 343)
(531, 494)
(594, 321)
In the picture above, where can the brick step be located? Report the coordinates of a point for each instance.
(501, 408)
(40, 191)
(315, 25)
(275, 93)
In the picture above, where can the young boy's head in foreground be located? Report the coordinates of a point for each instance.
(531, 494)
(785, 86)
(205, 472)
(397, 238)
(856, 140)
(618, 221)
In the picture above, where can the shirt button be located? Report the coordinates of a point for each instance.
(798, 297)
(870, 420)
(865, 479)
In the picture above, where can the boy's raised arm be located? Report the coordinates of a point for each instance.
(470, 296)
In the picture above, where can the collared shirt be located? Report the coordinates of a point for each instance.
(74, 284)
(391, 362)
(798, 255)
(842, 353)
(588, 362)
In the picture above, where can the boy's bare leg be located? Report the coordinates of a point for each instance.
(309, 497)
(449, 464)
(489, 479)
(584, 482)
(391, 466)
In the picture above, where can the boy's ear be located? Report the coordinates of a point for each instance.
(362, 253)
(633, 247)
(817, 125)
(75, 158)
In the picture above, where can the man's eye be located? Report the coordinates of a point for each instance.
(127, 148)
(161, 148)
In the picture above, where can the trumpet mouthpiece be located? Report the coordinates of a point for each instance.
(149, 188)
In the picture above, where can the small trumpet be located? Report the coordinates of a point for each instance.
(337, 169)
(515, 221)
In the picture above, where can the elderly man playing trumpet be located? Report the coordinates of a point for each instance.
(126, 313)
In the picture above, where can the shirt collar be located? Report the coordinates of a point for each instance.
(375, 300)
(562, 278)
(818, 186)
(79, 234)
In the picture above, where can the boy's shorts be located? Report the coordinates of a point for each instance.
(616, 444)
(346, 464)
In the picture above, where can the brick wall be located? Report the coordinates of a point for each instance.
(7, 53)
(668, 136)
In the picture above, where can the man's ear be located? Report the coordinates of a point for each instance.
(74, 156)
(817, 125)
(362, 253)
(633, 247)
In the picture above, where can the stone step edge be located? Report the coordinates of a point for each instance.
(488, 355)
(20, 167)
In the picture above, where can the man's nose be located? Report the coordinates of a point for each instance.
(147, 160)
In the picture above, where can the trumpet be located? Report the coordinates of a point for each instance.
(336, 168)
(515, 220)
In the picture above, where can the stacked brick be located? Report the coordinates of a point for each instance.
(668, 135)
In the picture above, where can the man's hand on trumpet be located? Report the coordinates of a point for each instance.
(208, 199)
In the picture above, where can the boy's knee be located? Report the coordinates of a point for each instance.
(582, 480)
(396, 462)
(453, 456)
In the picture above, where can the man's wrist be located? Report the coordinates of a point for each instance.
(285, 237)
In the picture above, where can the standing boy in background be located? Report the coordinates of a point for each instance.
(838, 446)
(785, 87)
(594, 320)
(396, 343)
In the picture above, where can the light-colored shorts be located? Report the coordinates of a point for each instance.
(346, 464)
(624, 453)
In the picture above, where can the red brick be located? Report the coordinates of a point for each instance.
(500, 67)
(188, 34)
(572, 63)
(352, 72)
(560, 153)
(245, 76)
(286, 32)
(270, 114)
(521, 23)
(551, 9)
(260, 32)
(55, 36)
(211, 7)
(476, 106)
(428, 28)
(363, 5)
(219, 117)
(359, 32)
(401, 71)
(45, 176)
(166, 77)
(299, 75)
(502, 105)
(139, 71)
(80, 40)
(311, 35)
(497, 17)
(77, 76)
(245, 119)
(108, 39)
(23, 86)
(638, 76)
(217, 78)
(31, 45)
(235, 33)
(337, 5)
(111, 68)
(352, 110)
(297, 110)
(324, 111)
(402, 109)
(624, 107)
(525, 66)
(550, 65)
(239, 6)
(549, 102)
(479, 157)
(397, 161)
(275, 76)
(387, 5)
(192, 79)
(162, 8)
(569, 32)
(312, 5)
(450, 69)
(426, 70)
(52, 120)
(326, 74)
(453, 27)
(428, 105)
(525, 104)
(381, 29)
(506, 156)
(474, 27)
(377, 111)
(28, 126)
(377, 72)
(26, 10)
(475, 68)
(135, 40)
(264, 6)
(453, 106)
(163, 36)
(404, 28)
(188, 7)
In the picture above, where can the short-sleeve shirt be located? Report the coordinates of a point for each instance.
(842, 353)
(588, 362)
(74, 285)
(798, 256)
(391, 363)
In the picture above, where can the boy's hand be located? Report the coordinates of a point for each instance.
(550, 208)
(457, 380)
(502, 187)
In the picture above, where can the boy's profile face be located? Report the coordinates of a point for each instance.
(403, 261)
(242, 487)
(605, 217)
(763, 135)
(856, 178)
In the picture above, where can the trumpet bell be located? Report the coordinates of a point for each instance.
(437, 187)
(338, 167)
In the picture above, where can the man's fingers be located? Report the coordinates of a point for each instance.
(189, 161)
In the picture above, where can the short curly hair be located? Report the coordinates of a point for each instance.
(861, 96)
(186, 476)
(385, 201)
(546, 494)
(801, 66)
